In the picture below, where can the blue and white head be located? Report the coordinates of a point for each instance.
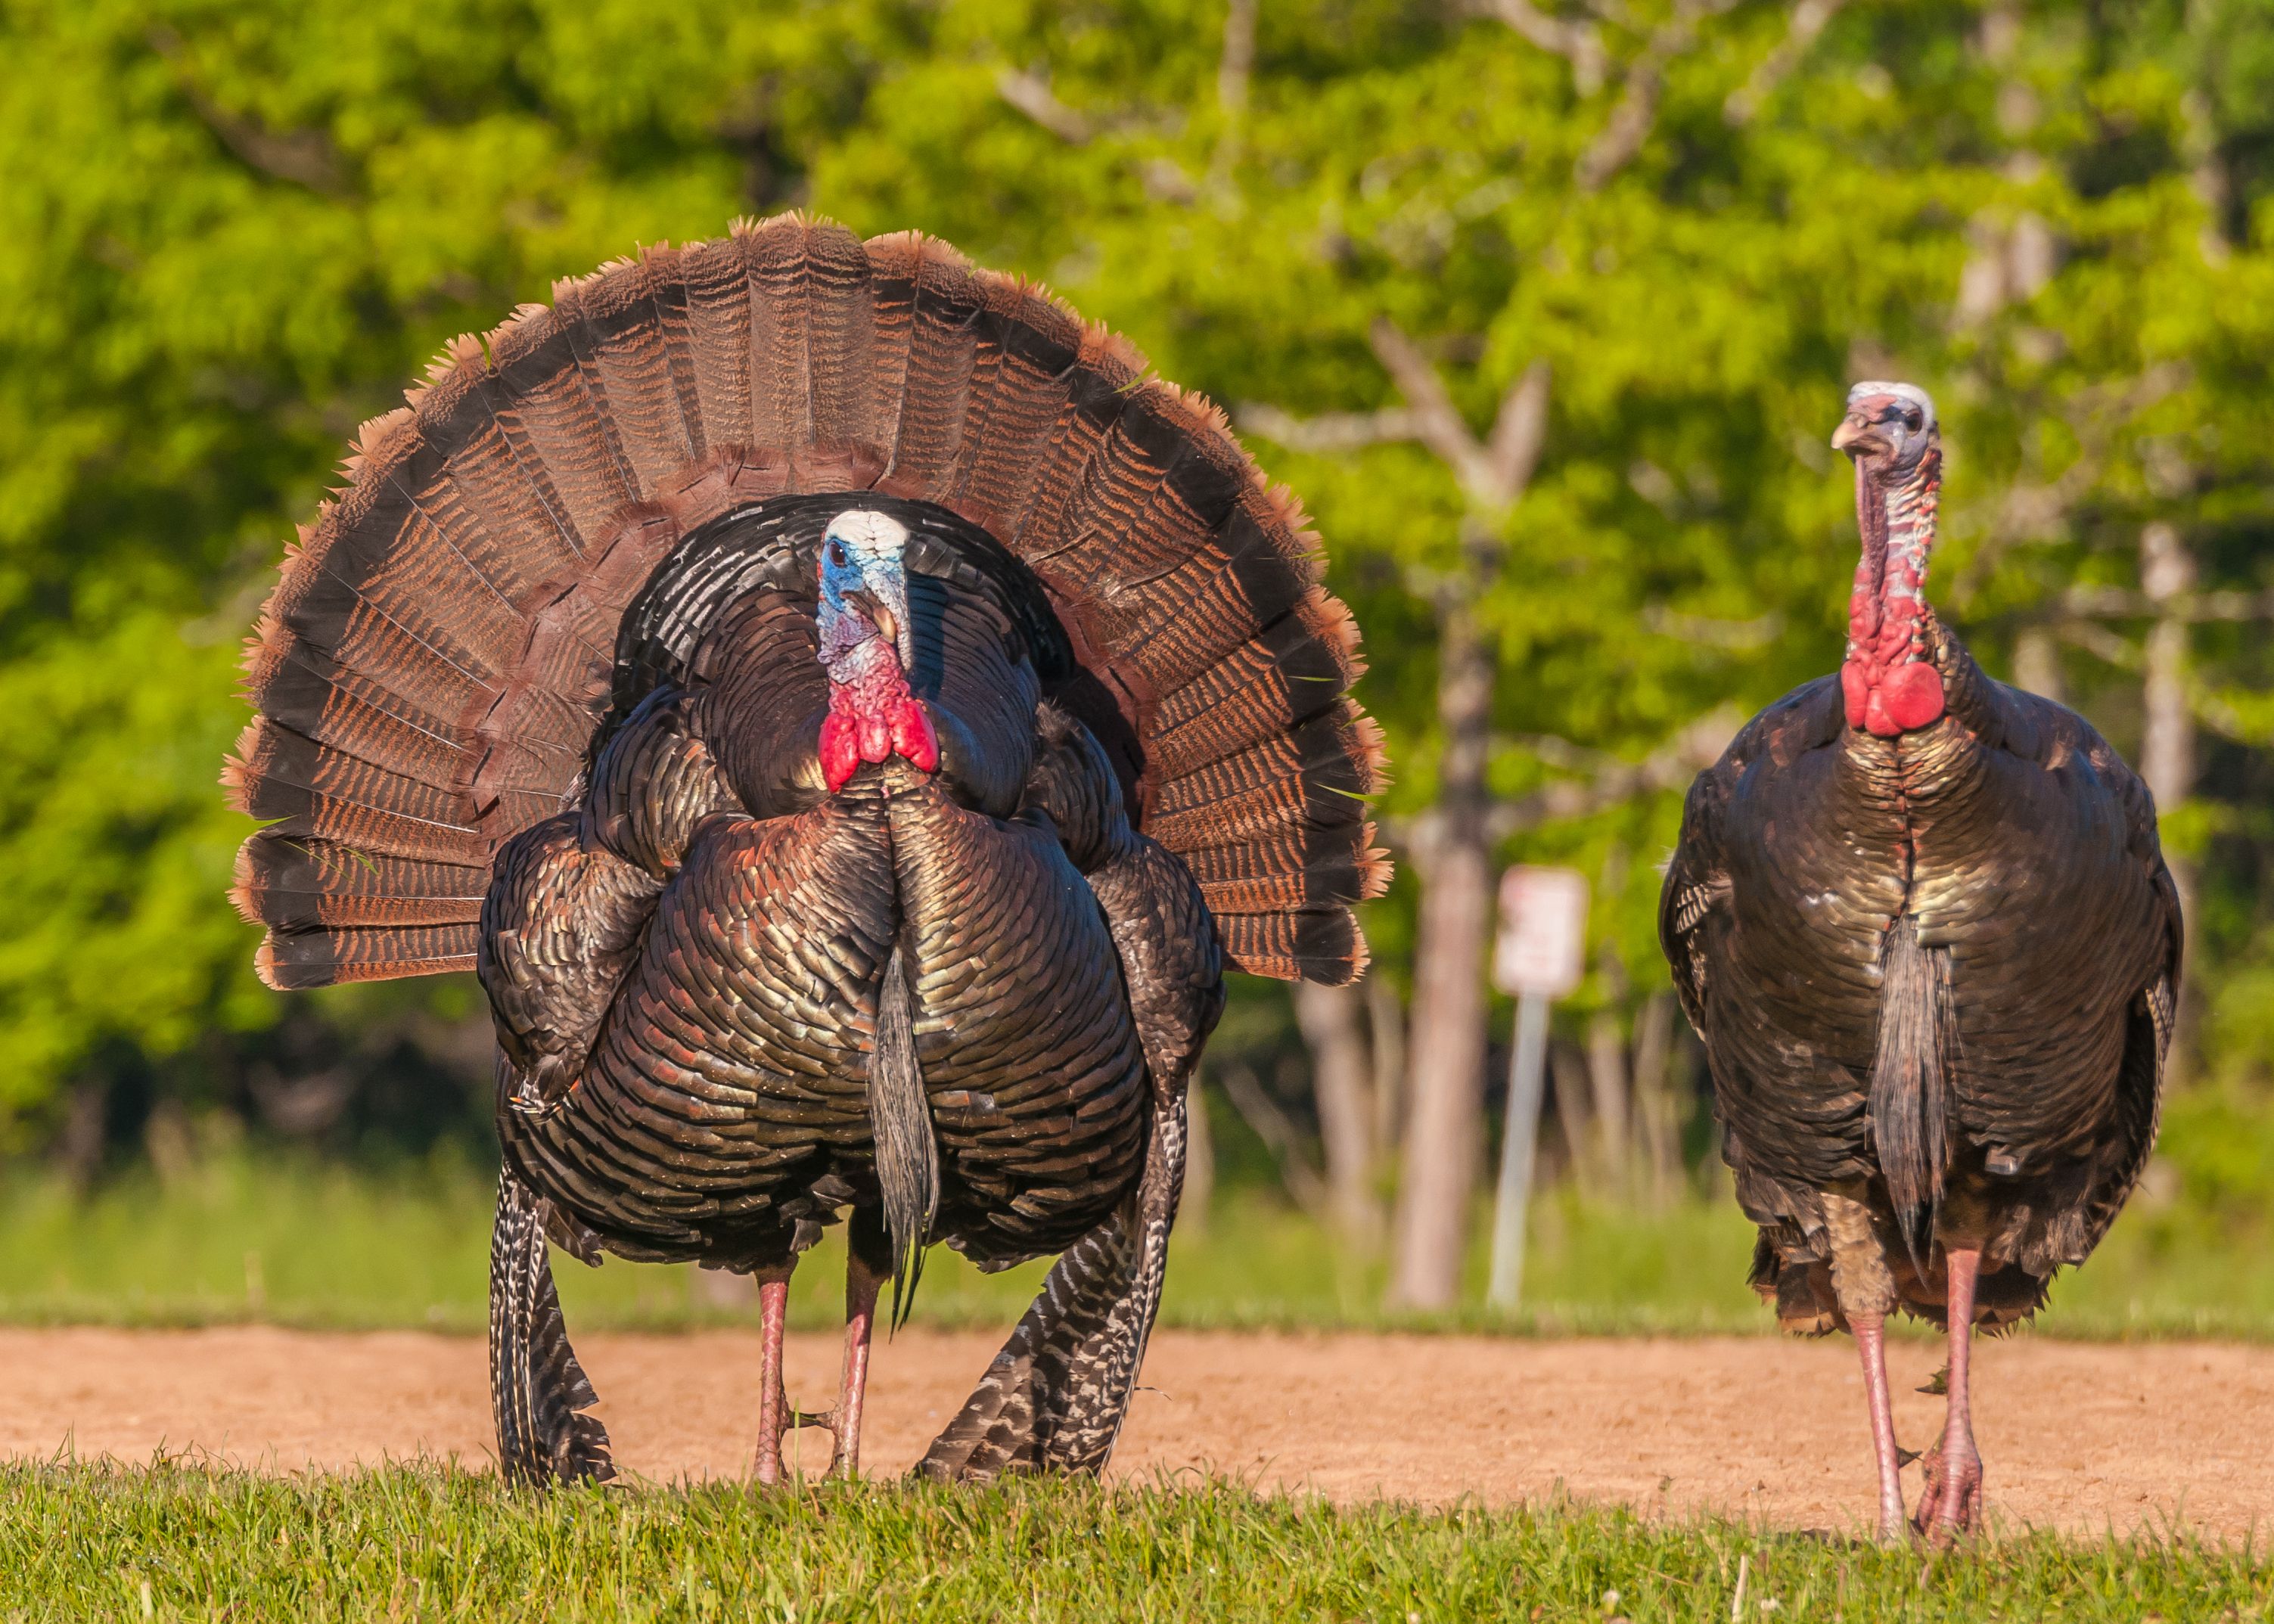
(1887, 424)
(864, 586)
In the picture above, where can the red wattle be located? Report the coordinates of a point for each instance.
(876, 737)
(912, 733)
(873, 719)
(840, 750)
(1854, 688)
(1893, 699)
(1912, 695)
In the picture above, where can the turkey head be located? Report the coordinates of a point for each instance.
(1889, 679)
(868, 647)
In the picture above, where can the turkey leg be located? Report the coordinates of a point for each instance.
(844, 1422)
(1872, 1344)
(773, 1400)
(1953, 1470)
(866, 1268)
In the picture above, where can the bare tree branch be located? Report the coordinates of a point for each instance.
(1492, 475)
(1518, 431)
(1234, 69)
(1280, 1137)
(2103, 644)
(1581, 44)
(1623, 134)
(1031, 95)
(1807, 21)
(1437, 422)
(1670, 766)
(2116, 602)
(1331, 434)
(1757, 633)
(304, 157)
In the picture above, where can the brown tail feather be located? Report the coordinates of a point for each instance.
(1281, 678)
(1319, 944)
(936, 387)
(334, 713)
(610, 320)
(716, 288)
(1028, 347)
(439, 652)
(271, 756)
(292, 959)
(272, 862)
(1330, 755)
(839, 355)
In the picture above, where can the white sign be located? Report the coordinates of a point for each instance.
(1543, 950)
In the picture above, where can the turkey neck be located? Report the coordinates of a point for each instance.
(1918, 709)
(1889, 679)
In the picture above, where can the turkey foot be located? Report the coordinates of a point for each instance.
(777, 1417)
(1953, 1496)
(1953, 1500)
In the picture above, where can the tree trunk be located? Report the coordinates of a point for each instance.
(1607, 1058)
(1194, 1207)
(1607, 1077)
(2036, 663)
(1385, 1019)
(1567, 1066)
(2168, 734)
(1445, 1081)
(1653, 1096)
(1341, 1081)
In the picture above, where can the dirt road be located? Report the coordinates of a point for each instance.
(2075, 1437)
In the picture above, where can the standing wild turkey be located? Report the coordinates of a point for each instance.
(1922, 922)
(849, 715)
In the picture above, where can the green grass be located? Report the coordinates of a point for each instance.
(298, 1241)
(415, 1542)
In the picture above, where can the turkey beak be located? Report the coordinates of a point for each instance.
(878, 614)
(887, 610)
(1853, 436)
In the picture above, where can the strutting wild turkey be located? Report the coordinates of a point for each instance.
(849, 715)
(1923, 924)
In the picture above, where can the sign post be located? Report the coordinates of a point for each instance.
(1540, 956)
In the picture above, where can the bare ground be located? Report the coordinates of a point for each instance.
(2077, 1437)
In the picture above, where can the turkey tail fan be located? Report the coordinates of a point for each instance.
(437, 656)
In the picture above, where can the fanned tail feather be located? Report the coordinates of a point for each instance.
(437, 656)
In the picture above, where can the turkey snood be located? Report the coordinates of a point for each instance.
(1889, 679)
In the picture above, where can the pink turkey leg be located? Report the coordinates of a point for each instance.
(860, 1284)
(773, 1401)
(1954, 1473)
(1871, 1346)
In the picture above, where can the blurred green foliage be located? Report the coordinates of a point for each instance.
(232, 229)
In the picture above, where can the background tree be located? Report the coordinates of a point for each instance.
(1547, 308)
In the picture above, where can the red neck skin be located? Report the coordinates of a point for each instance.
(1888, 679)
(873, 716)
